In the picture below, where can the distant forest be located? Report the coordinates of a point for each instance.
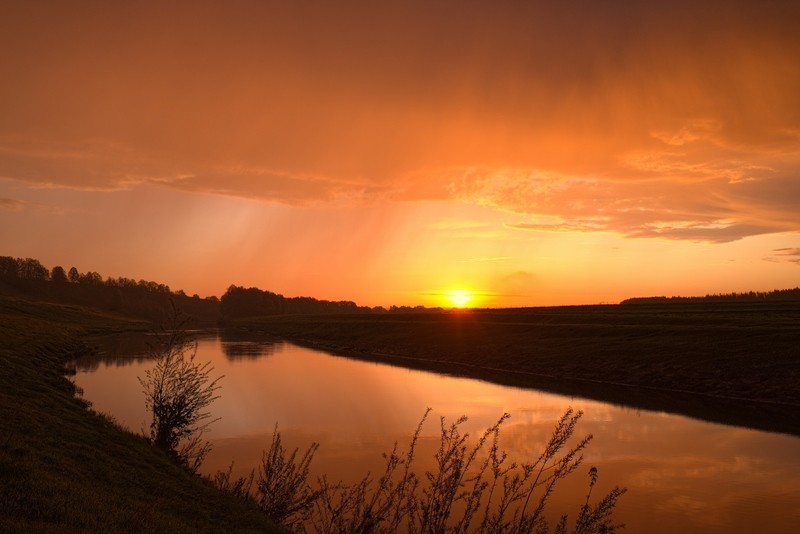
(151, 300)
(142, 299)
(751, 296)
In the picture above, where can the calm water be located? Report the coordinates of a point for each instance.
(681, 474)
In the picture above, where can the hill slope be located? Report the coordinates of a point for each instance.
(65, 468)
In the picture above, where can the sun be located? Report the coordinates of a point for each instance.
(459, 297)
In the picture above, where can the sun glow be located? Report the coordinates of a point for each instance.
(459, 297)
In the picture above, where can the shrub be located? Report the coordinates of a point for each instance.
(177, 392)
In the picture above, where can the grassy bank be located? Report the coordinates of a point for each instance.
(732, 362)
(64, 468)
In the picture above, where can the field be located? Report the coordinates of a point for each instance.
(64, 468)
(735, 362)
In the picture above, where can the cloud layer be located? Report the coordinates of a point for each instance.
(676, 121)
(789, 255)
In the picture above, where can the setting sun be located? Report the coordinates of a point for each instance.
(459, 297)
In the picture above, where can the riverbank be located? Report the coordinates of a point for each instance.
(735, 363)
(64, 468)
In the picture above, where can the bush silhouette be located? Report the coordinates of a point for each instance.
(177, 392)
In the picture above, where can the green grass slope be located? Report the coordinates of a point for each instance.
(64, 468)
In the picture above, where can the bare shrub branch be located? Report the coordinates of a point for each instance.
(177, 392)
(283, 493)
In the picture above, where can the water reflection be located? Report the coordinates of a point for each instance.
(681, 473)
(118, 350)
(242, 345)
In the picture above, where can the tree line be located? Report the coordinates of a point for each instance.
(250, 302)
(151, 300)
(749, 296)
(142, 299)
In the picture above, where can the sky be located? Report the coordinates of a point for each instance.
(532, 153)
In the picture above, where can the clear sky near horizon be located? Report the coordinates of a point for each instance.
(532, 153)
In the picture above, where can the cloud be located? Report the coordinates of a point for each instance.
(568, 116)
(11, 204)
(465, 229)
(17, 205)
(714, 231)
(703, 191)
(278, 186)
(481, 260)
(517, 284)
(94, 166)
(782, 255)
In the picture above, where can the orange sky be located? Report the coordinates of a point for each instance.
(386, 152)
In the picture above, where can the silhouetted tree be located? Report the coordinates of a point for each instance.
(73, 275)
(249, 302)
(30, 269)
(114, 300)
(9, 268)
(58, 275)
(252, 302)
(91, 279)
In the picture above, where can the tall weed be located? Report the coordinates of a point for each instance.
(282, 488)
(473, 487)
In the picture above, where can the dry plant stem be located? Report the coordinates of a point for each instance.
(398, 501)
(283, 493)
(241, 487)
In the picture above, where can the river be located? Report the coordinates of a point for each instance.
(681, 474)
